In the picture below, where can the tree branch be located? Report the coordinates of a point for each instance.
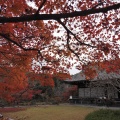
(70, 32)
(57, 16)
(68, 46)
(26, 49)
(12, 41)
(44, 1)
(97, 5)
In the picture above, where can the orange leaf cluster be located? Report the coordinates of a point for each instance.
(92, 69)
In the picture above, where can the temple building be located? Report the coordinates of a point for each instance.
(105, 86)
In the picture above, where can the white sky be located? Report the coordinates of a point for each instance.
(73, 71)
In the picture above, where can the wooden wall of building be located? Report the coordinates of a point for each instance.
(96, 92)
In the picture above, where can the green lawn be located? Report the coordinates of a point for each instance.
(60, 112)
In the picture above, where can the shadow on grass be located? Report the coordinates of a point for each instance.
(104, 115)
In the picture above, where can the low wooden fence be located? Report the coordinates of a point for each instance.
(95, 101)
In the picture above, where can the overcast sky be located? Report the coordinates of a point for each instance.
(73, 71)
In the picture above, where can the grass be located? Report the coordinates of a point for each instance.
(104, 115)
(60, 112)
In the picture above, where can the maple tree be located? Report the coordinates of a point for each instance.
(92, 69)
(45, 37)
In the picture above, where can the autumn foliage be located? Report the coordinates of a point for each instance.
(42, 37)
(91, 70)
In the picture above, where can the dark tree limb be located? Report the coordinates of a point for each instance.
(57, 16)
(100, 3)
(44, 1)
(5, 36)
(70, 32)
(17, 44)
(69, 48)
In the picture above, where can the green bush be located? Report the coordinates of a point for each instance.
(104, 115)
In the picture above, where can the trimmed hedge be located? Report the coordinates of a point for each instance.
(104, 114)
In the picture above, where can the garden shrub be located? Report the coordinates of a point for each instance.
(104, 114)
